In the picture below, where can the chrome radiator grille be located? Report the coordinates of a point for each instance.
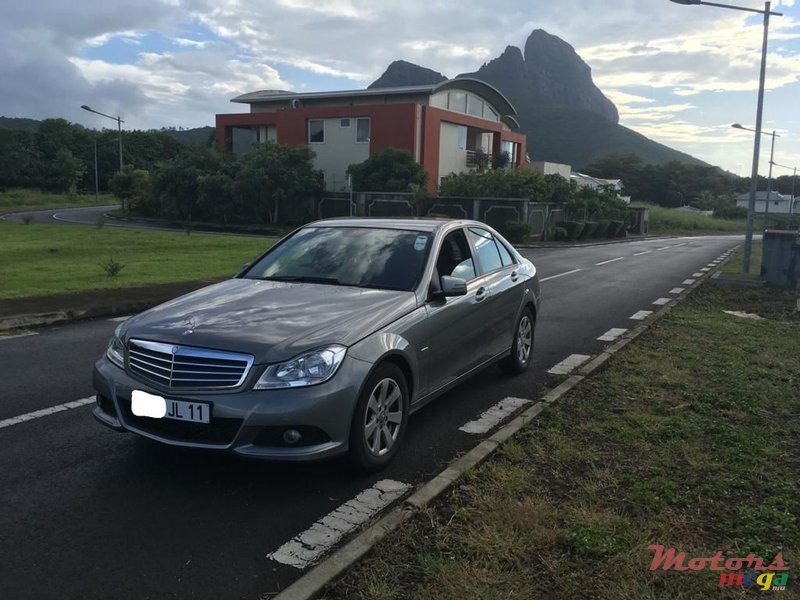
(175, 366)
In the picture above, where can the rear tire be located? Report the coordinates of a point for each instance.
(519, 359)
(380, 418)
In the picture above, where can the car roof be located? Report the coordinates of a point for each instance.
(423, 224)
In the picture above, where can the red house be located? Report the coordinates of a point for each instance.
(443, 126)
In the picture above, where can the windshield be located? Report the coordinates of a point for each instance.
(375, 258)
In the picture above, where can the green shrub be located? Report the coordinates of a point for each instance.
(616, 229)
(730, 212)
(589, 229)
(603, 228)
(573, 229)
(559, 233)
(515, 231)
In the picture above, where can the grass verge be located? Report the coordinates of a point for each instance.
(734, 265)
(665, 221)
(22, 200)
(689, 438)
(38, 260)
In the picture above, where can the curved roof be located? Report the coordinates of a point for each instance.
(481, 88)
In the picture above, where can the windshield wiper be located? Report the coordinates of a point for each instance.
(304, 279)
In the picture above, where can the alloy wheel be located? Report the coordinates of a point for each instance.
(383, 417)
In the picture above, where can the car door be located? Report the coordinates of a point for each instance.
(501, 287)
(455, 326)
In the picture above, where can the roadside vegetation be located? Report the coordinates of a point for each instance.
(688, 438)
(19, 200)
(39, 260)
(734, 265)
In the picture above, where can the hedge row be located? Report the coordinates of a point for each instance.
(582, 230)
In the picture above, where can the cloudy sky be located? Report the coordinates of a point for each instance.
(679, 74)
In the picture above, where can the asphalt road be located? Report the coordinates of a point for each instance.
(90, 513)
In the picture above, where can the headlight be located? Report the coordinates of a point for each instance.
(116, 350)
(310, 368)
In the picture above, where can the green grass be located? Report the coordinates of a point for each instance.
(37, 260)
(688, 438)
(665, 221)
(734, 265)
(18, 200)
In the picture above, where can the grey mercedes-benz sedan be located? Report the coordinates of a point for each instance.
(324, 344)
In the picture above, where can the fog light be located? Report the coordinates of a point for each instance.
(291, 436)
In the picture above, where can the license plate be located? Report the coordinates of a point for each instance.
(196, 412)
(144, 404)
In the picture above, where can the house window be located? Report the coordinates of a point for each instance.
(316, 131)
(458, 102)
(344, 123)
(462, 137)
(475, 107)
(489, 113)
(362, 131)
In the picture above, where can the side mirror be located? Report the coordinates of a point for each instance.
(453, 286)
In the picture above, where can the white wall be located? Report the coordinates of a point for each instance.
(338, 152)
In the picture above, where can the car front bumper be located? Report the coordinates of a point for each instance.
(248, 423)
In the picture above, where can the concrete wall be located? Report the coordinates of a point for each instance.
(548, 168)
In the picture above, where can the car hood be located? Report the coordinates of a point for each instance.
(271, 320)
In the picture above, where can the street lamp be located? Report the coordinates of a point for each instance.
(771, 156)
(119, 128)
(751, 205)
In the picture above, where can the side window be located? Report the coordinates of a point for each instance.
(455, 258)
(485, 249)
(505, 255)
(316, 131)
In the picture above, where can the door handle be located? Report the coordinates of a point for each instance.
(514, 276)
(481, 294)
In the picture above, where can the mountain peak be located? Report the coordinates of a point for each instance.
(402, 73)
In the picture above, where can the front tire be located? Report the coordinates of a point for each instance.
(380, 418)
(519, 359)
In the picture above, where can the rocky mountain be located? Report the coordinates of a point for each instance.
(402, 73)
(564, 114)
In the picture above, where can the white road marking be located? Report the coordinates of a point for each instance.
(641, 315)
(120, 319)
(605, 262)
(304, 549)
(569, 364)
(697, 274)
(662, 301)
(688, 281)
(676, 290)
(559, 275)
(494, 415)
(645, 252)
(704, 269)
(18, 335)
(37, 414)
(679, 245)
(663, 247)
(611, 335)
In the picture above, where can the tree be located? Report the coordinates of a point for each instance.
(132, 187)
(389, 170)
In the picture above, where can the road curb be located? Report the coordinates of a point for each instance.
(312, 583)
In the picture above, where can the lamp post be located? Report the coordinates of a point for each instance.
(751, 205)
(792, 201)
(119, 127)
(771, 162)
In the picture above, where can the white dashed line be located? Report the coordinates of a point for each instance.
(37, 414)
(605, 262)
(490, 418)
(705, 269)
(688, 281)
(641, 315)
(664, 248)
(19, 335)
(559, 275)
(676, 290)
(662, 301)
(641, 253)
(697, 274)
(611, 335)
(569, 364)
(304, 549)
(120, 319)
